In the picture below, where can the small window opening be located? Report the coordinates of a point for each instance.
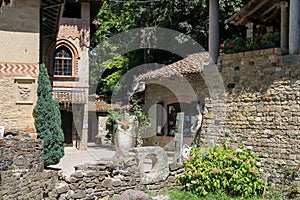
(72, 10)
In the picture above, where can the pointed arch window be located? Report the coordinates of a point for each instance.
(63, 62)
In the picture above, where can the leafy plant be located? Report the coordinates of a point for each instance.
(189, 17)
(236, 172)
(142, 120)
(141, 117)
(260, 41)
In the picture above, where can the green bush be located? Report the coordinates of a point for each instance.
(48, 120)
(236, 172)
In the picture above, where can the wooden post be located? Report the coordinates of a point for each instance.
(284, 27)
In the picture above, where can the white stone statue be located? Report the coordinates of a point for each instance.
(124, 135)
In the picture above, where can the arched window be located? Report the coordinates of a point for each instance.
(63, 62)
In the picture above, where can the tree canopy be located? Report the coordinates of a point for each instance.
(189, 17)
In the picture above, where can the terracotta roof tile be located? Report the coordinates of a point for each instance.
(193, 64)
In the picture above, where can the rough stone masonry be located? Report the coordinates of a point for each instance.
(260, 108)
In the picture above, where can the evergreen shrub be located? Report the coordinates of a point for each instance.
(48, 120)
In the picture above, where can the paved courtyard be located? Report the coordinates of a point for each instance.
(75, 157)
(93, 154)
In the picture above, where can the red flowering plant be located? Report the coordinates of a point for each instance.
(260, 41)
(234, 44)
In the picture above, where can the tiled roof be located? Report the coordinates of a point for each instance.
(259, 11)
(193, 64)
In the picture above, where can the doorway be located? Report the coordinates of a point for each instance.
(67, 126)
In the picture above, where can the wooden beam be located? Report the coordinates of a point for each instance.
(269, 10)
(253, 10)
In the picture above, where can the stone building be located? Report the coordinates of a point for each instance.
(69, 68)
(22, 40)
(178, 87)
(259, 106)
(54, 32)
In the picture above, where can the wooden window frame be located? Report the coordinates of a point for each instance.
(63, 59)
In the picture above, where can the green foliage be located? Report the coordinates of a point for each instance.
(142, 120)
(48, 120)
(141, 117)
(120, 114)
(220, 195)
(185, 16)
(260, 41)
(182, 195)
(236, 172)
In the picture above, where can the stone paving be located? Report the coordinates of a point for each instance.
(75, 157)
(93, 154)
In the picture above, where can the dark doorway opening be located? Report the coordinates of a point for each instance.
(67, 126)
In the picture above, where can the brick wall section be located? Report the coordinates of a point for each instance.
(19, 69)
(260, 109)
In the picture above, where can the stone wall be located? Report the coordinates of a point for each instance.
(18, 99)
(24, 184)
(89, 181)
(21, 153)
(100, 180)
(260, 109)
(22, 175)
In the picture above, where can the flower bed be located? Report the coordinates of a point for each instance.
(260, 41)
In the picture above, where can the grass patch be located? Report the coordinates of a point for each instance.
(182, 195)
(220, 195)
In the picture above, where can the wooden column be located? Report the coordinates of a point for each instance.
(284, 27)
(294, 31)
(250, 30)
(213, 42)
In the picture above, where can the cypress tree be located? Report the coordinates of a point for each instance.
(48, 120)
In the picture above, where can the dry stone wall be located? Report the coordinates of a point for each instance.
(22, 174)
(25, 184)
(21, 153)
(26, 179)
(260, 109)
(91, 181)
